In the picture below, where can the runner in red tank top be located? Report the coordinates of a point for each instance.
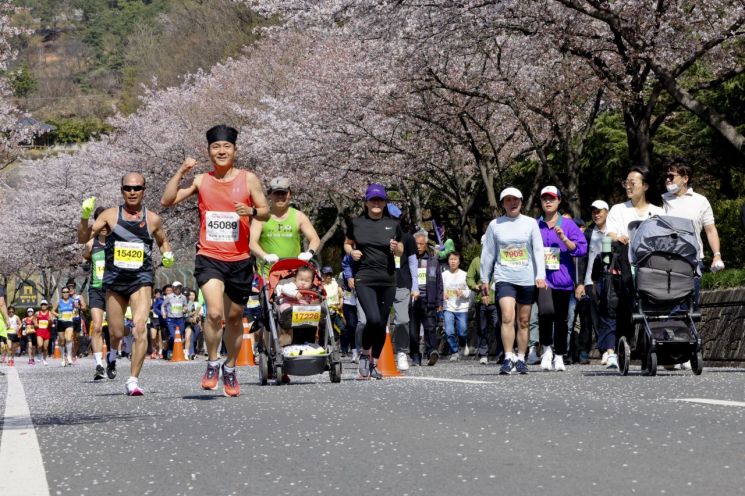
(228, 199)
(43, 322)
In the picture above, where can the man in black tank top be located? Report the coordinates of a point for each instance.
(128, 274)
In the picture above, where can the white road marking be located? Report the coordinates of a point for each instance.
(20, 456)
(706, 401)
(445, 379)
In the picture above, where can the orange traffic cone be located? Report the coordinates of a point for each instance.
(387, 362)
(178, 347)
(57, 352)
(246, 353)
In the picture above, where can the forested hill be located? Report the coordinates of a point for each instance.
(88, 57)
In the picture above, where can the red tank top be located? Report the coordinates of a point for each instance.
(28, 322)
(223, 234)
(43, 319)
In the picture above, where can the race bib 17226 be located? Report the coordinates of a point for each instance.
(303, 315)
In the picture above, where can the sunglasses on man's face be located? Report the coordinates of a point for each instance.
(129, 188)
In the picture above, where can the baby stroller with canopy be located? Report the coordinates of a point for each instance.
(309, 319)
(664, 254)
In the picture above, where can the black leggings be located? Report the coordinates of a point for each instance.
(553, 329)
(376, 302)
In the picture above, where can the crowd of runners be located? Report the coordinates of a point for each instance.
(534, 295)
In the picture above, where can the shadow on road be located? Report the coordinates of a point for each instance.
(49, 420)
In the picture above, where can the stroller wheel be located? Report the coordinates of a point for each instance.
(697, 363)
(652, 363)
(278, 375)
(263, 369)
(624, 356)
(335, 372)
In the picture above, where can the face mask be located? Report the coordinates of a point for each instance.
(672, 188)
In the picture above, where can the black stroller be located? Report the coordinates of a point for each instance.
(664, 256)
(305, 320)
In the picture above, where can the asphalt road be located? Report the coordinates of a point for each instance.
(453, 429)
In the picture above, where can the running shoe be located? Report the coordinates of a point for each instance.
(133, 389)
(533, 356)
(99, 373)
(44, 362)
(612, 362)
(11, 362)
(484, 360)
(402, 361)
(355, 356)
(584, 358)
(209, 379)
(64, 363)
(559, 363)
(507, 366)
(110, 367)
(375, 373)
(285, 379)
(32, 362)
(547, 361)
(521, 367)
(364, 368)
(433, 357)
(153, 356)
(230, 386)
(454, 357)
(604, 359)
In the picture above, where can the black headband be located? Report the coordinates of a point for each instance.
(222, 133)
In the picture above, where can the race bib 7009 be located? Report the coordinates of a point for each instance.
(514, 256)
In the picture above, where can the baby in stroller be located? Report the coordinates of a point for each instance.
(290, 293)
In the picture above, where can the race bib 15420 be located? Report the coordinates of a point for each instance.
(129, 255)
(222, 227)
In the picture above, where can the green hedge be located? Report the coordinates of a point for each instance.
(727, 215)
(728, 278)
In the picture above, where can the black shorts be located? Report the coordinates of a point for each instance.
(97, 298)
(126, 290)
(64, 324)
(14, 338)
(522, 294)
(236, 276)
(31, 337)
(76, 325)
(3, 339)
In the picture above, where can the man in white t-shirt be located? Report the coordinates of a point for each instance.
(681, 201)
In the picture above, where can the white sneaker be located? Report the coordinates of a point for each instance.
(64, 363)
(454, 357)
(466, 351)
(612, 362)
(604, 359)
(685, 366)
(484, 360)
(44, 362)
(186, 356)
(547, 362)
(355, 356)
(69, 361)
(402, 361)
(533, 356)
(558, 363)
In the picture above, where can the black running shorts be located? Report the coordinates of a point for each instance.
(126, 290)
(236, 276)
(97, 298)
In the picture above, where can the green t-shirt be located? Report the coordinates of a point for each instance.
(281, 237)
(98, 263)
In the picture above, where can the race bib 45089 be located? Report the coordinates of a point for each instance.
(222, 226)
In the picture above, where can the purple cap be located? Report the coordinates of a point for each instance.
(375, 191)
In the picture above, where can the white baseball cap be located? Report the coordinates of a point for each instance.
(44, 302)
(600, 204)
(551, 190)
(176, 283)
(510, 192)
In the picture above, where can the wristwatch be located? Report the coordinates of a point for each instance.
(253, 211)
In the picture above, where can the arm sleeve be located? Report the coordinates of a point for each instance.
(413, 266)
(472, 276)
(578, 237)
(346, 267)
(538, 255)
(487, 255)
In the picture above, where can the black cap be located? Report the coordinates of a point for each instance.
(222, 133)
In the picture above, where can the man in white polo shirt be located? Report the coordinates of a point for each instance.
(681, 201)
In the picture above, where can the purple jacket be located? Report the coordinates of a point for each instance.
(563, 278)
